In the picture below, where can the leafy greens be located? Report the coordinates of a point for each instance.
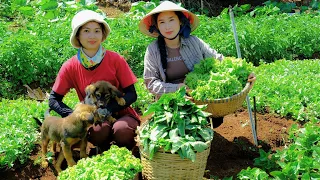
(212, 79)
(177, 125)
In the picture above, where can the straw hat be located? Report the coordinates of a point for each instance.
(82, 18)
(147, 21)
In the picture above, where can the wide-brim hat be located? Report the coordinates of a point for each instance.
(147, 21)
(82, 18)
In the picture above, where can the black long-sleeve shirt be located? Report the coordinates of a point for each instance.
(56, 104)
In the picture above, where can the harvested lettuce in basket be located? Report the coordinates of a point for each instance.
(212, 79)
(177, 125)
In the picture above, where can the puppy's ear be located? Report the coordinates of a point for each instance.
(115, 92)
(89, 91)
(87, 116)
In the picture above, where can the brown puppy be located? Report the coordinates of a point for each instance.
(68, 131)
(100, 93)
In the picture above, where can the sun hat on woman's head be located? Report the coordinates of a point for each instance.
(82, 18)
(147, 21)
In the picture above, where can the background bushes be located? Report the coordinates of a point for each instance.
(264, 38)
(34, 48)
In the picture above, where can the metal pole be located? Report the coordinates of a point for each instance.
(239, 56)
(255, 113)
(253, 128)
(234, 32)
(201, 6)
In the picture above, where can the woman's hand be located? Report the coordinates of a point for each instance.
(181, 85)
(188, 91)
(251, 78)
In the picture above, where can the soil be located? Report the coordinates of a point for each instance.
(232, 148)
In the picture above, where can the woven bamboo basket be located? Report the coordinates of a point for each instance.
(225, 106)
(167, 166)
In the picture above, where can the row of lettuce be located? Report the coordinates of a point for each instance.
(33, 48)
(287, 87)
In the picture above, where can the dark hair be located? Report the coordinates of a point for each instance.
(162, 43)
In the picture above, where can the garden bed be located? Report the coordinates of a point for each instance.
(232, 147)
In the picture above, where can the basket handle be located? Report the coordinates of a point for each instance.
(251, 79)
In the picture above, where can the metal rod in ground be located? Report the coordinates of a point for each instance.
(239, 56)
(255, 113)
(253, 125)
(234, 32)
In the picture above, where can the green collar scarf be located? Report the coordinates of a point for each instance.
(89, 62)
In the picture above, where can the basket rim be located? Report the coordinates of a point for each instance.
(245, 90)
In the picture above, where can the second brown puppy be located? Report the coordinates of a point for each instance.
(68, 131)
(100, 93)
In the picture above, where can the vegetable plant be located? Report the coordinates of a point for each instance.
(177, 125)
(300, 160)
(289, 88)
(212, 79)
(114, 164)
(144, 97)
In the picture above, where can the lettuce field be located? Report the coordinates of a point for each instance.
(283, 49)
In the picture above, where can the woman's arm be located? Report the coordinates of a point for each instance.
(56, 104)
(208, 51)
(130, 96)
(154, 76)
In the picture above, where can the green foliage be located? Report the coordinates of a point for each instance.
(212, 79)
(145, 98)
(289, 88)
(116, 163)
(35, 50)
(269, 8)
(264, 38)
(300, 160)
(273, 7)
(177, 125)
(30, 55)
(46, 45)
(140, 8)
(126, 39)
(252, 173)
(18, 130)
(47, 9)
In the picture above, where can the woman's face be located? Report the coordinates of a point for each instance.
(90, 36)
(168, 24)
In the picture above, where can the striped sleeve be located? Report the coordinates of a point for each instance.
(154, 76)
(209, 52)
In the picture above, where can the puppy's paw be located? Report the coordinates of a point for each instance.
(103, 112)
(111, 119)
(83, 155)
(72, 164)
(44, 164)
(58, 168)
(121, 101)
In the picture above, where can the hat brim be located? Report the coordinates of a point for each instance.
(75, 42)
(146, 21)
